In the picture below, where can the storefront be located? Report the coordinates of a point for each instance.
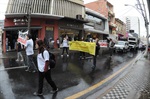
(41, 28)
(49, 28)
(12, 36)
(73, 28)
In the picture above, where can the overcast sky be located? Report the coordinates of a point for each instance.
(120, 10)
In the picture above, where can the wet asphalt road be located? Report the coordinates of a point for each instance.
(71, 75)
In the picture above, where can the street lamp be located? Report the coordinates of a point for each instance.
(143, 13)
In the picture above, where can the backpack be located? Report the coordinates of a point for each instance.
(52, 61)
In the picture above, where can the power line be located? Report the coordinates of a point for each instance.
(125, 13)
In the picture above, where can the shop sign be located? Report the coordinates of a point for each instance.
(49, 28)
(70, 25)
(20, 21)
(22, 37)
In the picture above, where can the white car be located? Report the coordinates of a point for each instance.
(121, 46)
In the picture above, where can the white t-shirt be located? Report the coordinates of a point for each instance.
(41, 60)
(65, 43)
(29, 47)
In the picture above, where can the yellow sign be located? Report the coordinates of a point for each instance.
(88, 47)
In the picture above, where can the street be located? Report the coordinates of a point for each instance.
(71, 75)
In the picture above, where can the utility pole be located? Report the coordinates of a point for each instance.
(29, 18)
(144, 14)
(139, 27)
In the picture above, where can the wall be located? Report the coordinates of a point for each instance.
(99, 6)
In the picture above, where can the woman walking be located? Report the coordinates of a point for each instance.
(44, 69)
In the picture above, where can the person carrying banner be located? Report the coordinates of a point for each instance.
(82, 54)
(96, 53)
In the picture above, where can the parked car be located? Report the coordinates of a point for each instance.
(122, 46)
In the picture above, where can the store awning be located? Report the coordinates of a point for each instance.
(20, 28)
(96, 31)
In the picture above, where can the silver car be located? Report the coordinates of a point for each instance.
(121, 46)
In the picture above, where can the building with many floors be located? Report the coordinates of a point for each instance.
(133, 23)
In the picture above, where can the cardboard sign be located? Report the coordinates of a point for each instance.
(22, 37)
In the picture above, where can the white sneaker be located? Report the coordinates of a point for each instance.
(61, 55)
(67, 55)
(54, 91)
(17, 59)
(21, 60)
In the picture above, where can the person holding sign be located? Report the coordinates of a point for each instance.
(29, 52)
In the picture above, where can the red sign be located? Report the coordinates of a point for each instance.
(103, 44)
(22, 41)
(22, 37)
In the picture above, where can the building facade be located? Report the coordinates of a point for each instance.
(121, 29)
(50, 19)
(105, 8)
(97, 25)
(133, 23)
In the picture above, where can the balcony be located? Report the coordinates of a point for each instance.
(112, 25)
(111, 13)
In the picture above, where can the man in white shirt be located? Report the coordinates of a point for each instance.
(29, 52)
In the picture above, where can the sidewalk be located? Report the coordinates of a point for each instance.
(134, 85)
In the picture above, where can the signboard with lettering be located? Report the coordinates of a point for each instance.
(20, 21)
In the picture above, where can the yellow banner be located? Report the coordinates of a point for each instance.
(88, 47)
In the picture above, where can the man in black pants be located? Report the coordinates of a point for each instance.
(96, 53)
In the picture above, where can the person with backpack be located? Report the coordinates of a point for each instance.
(44, 70)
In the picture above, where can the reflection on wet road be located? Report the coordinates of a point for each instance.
(71, 74)
(5, 84)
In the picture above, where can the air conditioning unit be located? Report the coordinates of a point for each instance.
(79, 17)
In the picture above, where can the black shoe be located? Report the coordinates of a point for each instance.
(37, 94)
